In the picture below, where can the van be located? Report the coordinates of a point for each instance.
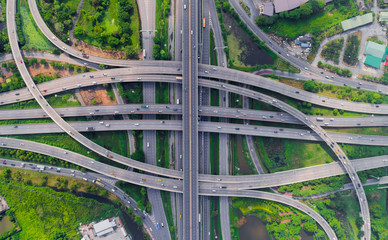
(148, 144)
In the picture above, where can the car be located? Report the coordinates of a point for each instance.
(21, 61)
(184, 6)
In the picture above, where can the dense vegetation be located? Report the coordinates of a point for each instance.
(333, 49)
(344, 93)
(160, 49)
(59, 15)
(282, 222)
(42, 213)
(4, 44)
(315, 187)
(110, 25)
(351, 50)
(343, 72)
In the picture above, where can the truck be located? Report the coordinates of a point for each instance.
(100, 184)
(90, 128)
(203, 22)
(144, 106)
(320, 119)
(41, 167)
(85, 55)
(177, 101)
(144, 53)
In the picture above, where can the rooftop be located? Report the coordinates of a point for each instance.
(384, 16)
(286, 5)
(372, 61)
(268, 9)
(357, 21)
(375, 49)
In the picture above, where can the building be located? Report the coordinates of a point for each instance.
(357, 21)
(108, 229)
(383, 17)
(286, 5)
(304, 41)
(104, 227)
(375, 54)
(268, 9)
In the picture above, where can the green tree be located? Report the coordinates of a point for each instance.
(43, 61)
(138, 221)
(306, 9)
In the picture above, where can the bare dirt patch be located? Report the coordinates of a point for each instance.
(293, 83)
(47, 69)
(95, 51)
(98, 94)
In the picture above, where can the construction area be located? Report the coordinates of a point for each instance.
(108, 229)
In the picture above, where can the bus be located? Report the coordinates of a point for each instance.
(203, 22)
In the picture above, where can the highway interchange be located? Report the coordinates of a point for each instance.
(193, 76)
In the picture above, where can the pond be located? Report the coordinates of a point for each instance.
(5, 224)
(255, 229)
(249, 53)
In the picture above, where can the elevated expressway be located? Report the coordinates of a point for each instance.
(176, 125)
(147, 74)
(190, 119)
(207, 182)
(209, 111)
(128, 63)
(300, 116)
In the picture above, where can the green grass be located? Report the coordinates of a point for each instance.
(109, 24)
(213, 53)
(116, 141)
(35, 40)
(285, 154)
(110, 21)
(40, 210)
(162, 149)
(214, 153)
(316, 23)
(162, 93)
(248, 155)
(113, 141)
(166, 199)
(64, 100)
(382, 131)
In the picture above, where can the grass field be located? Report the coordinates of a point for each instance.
(162, 149)
(64, 100)
(329, 17)
(382, 131)
(35, 40)
(109, 24)
(113, 141)
(166, 199)
(285, 154)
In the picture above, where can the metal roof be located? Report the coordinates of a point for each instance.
(373, 61)
(268, 9)
(375, 49)
(357, 21)
(104, 227)
(286, 5)
(384, 16)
